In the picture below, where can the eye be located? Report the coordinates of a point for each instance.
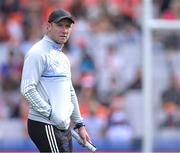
(63, 25)
(60, 25)
(68, 25)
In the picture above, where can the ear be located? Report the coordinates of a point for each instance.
(49, 25)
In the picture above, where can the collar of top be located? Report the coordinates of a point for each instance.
(55, 45)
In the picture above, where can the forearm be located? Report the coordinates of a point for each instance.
(35, 100)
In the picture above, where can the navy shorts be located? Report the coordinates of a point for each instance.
(48, 138)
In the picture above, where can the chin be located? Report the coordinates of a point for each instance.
(62, 42)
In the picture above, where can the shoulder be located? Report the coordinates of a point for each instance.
(38, 50)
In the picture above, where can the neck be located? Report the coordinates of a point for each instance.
(54, 42)
(49, 36)
(61, 46)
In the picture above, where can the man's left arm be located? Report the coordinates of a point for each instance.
(77, 119)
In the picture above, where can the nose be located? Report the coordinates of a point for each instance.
(64, 29)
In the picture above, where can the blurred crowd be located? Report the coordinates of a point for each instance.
(105, 50)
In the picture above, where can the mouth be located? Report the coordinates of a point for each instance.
(63, 37)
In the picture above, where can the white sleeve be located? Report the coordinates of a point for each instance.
(76, 116)
(33, 67)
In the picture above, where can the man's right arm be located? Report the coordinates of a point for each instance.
(32, 70)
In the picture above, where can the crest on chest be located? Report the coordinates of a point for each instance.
(58, 62)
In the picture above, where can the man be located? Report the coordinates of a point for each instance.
(46, 85)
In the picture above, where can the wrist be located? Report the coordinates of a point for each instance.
(79, 125)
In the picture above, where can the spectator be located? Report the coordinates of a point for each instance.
(170, 117)
(173, 13)
(118, 127)
(11, 72)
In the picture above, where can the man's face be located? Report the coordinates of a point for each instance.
(60, 32)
